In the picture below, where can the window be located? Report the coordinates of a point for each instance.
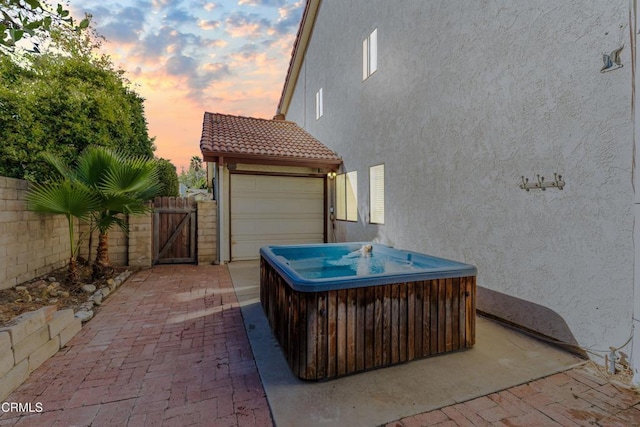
(376, 196)
(370, 55)
(319, 104)
(347, 196)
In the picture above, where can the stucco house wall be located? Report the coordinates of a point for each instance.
(468, 98)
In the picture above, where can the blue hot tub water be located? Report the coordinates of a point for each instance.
(330, 266)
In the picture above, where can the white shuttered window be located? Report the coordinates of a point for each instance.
(347, 196)
(319, 102)
(352, 196)
(370, 54)
(376, 196)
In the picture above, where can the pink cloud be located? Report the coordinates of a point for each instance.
(208, 25)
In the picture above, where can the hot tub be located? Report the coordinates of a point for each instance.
(341, 308)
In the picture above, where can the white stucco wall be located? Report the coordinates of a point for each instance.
(468, 97)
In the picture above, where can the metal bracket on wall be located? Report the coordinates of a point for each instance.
(541, 184)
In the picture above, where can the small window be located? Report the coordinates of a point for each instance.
(347, 196)
(370, 54)
(376, 196)
(319, 104)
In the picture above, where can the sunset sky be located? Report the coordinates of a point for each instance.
(186, 57)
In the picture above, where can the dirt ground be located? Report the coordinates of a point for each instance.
(50, 289)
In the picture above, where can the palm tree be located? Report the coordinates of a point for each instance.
(119, 183)
(123, 184)
(68, 198)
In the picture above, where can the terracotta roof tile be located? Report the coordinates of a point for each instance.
(232, 136)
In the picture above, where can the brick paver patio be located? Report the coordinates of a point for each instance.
(578, 397)
(169, 349)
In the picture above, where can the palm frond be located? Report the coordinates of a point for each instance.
(60, 166)
(106, 222)
(64, 198)
(134, 175)
(93, 165)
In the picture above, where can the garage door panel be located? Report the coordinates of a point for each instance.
(244, 250)
(256, 229)
(278, 206)
(272, 210)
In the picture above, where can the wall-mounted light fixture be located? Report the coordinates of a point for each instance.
(331, 175)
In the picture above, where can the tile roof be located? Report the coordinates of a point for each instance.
(250, 138)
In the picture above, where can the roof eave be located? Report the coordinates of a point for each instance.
(297, 56)
(226, 158)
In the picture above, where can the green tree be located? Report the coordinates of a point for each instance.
(168, 178)
(62, 105)
(196, 176)
(61, 101)
(33, 19)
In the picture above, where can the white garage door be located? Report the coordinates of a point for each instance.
(274, 210)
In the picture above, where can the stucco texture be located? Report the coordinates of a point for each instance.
(468, 97)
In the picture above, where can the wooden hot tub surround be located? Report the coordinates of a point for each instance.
(328, 334)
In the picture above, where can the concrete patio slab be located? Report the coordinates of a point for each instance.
(501, 358)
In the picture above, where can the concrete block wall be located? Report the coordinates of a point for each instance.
(207, 231)
(134, 250)
(117, 244)
(141, 240)
(31, 244)
(29, 340)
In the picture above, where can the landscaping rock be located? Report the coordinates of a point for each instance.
(105, 291)
(21, 288)
(89, 288)
(52, 279)
(97, 298)
(84, 315)
(63, 294)
(87, 305)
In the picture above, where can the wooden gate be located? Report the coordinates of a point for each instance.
(174, 230)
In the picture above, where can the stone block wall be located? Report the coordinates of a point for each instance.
(31, 244)
(207, 231)
(29, 340)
